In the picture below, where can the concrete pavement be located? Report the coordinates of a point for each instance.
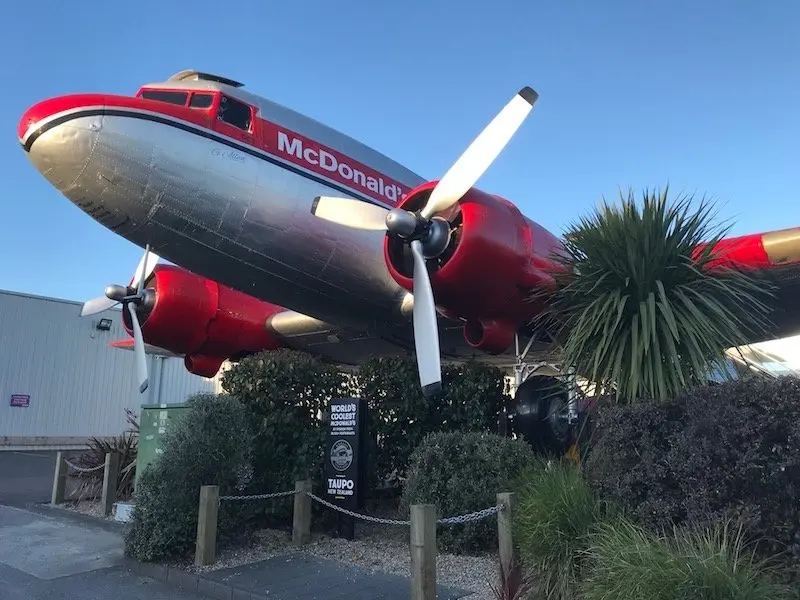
(62, 555)
(43, 557)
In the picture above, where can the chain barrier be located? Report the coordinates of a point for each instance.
(257, 496)
(478, 515)
(461, 519)
(358, 515)
(83, 469)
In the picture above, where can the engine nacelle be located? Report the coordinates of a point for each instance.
(495, 260)
(203, 320)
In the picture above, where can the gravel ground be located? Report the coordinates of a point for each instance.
(388, 554)
(87, 507)
(376, 547)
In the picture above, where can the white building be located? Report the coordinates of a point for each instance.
(61, 383)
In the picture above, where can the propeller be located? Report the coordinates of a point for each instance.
(131, 296)
(428, 235)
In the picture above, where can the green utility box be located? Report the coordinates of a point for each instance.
(154, 421)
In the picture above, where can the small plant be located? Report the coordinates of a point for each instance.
(629, 563)
(555, 513)
(125, 445)
(514, 584)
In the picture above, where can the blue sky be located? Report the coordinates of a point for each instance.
(703, 95)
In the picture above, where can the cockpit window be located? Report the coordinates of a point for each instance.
(201, 100)
(172, 97)
(234, 113)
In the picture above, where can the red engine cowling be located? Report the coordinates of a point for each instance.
(495, 260)
(203, 320)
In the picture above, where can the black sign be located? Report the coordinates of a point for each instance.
(345, 456)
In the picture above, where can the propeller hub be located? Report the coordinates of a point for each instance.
(116, 292)
(402, 223)
(434, 233)
(437, 237)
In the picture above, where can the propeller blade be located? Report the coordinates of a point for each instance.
(351, 213)
(97, 305)
(426, 332)
(138, 348)
(144, 269)
(480, 154)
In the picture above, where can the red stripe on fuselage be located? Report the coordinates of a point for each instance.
(270, 138)
(322, 160)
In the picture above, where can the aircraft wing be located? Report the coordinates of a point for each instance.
(775, 257)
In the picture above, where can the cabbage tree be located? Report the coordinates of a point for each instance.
(637, 310)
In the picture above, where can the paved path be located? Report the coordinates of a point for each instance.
(301, 576)
(42, 558)
(49, 556)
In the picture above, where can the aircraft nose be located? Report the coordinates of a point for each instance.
(59, 134)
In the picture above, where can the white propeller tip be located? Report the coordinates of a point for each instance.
(528, 94)
(97, 305)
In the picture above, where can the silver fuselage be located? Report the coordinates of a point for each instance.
(227, 210)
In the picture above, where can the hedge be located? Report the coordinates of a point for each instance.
(462, 472)
(208, 445)
(718, 452)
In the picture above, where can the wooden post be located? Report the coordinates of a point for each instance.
(301, 518)
(59, 480)
(505, 539)
(206, 546)
(110, 478)
(423, 552)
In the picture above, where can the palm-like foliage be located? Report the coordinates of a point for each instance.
(126, 445)
(637, 308)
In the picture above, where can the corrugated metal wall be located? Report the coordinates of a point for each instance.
(78, 386)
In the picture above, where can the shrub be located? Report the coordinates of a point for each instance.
(209, 444)
(126, 445)
(474, 395)
(629, 563)
(286, 393)
(512, 584)
(554, 514)
(462, 473)
(717, 452)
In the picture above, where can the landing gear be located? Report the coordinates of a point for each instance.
(544, 411)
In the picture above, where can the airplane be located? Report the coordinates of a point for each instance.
(285, 233)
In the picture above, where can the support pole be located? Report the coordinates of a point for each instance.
(423, 552)
(206, 546)
(505, 538)
(301, 519)
(110, 478)
(59, 480)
